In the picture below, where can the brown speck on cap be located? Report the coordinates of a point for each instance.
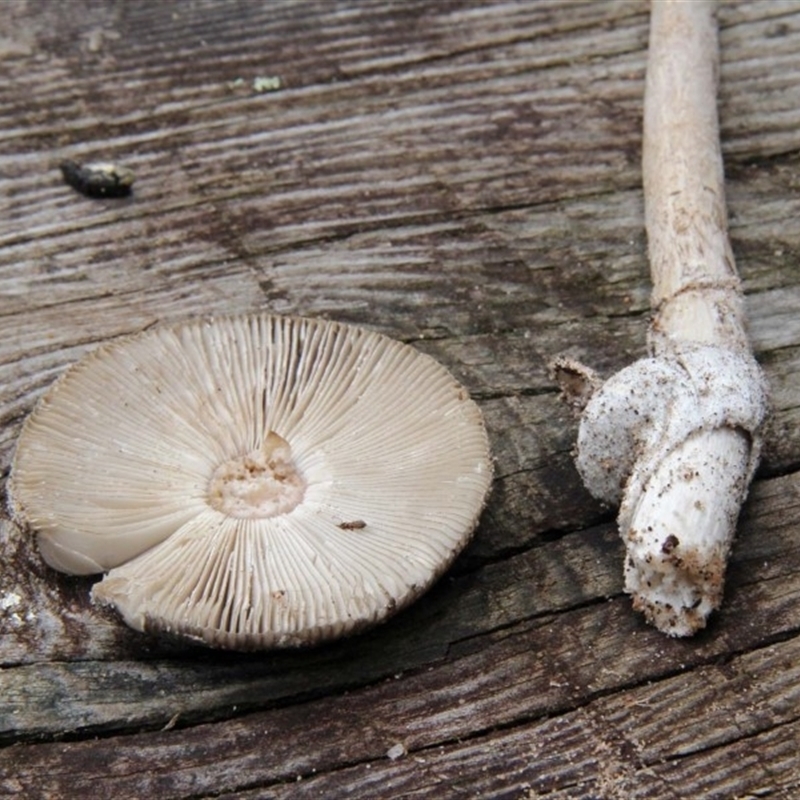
(353, 525)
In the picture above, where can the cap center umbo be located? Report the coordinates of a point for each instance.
(262, 483)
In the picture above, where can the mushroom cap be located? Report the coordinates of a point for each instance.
(253, 481)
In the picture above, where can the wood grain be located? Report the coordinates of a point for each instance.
(463, 176)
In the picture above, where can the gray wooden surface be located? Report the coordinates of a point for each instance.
(463, 176)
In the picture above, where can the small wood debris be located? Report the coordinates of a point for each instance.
(98, 180)
(173, 721)
(396, 751)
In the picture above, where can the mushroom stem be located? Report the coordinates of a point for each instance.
(675, 438)
(696, 293)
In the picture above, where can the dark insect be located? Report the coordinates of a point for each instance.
(98, 180)
(355, 525)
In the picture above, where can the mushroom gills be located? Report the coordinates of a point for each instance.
(254, 481)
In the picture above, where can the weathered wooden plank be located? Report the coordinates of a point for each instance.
(446, 717)
(466, 177)
(460, 618)
(48, 698)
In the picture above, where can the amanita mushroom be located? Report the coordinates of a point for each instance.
(675, 438)
(253, 481)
